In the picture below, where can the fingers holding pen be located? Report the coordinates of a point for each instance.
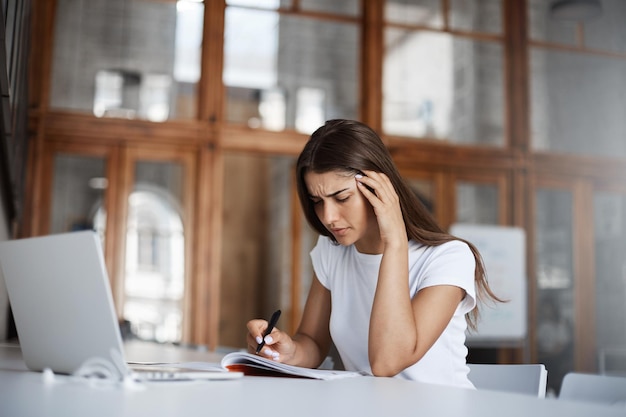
(261, 343)
(256, 331)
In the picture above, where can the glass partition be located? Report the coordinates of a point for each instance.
(287, 71)
(444, 87)
(343, 7)
(477, 203)
(78, 189)
(555, 284)
(132, 59)
(476, 15)
(154, 280)
(414, 12)
(610, 280)
(598, 26)
(578, 79)
(577, 103)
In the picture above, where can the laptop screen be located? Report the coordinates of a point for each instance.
(61, 300)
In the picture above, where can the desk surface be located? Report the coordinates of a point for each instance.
(24, 393)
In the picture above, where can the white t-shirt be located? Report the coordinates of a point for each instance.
(351, 278)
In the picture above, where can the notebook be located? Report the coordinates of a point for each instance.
(63, 309)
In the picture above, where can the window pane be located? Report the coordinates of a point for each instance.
(78, 190)
(261, 4)
(443, 87)
(577, 103)
(476, 15)
(555, 284)
(414, 12)
(270, 59)
(610, 268)
(343, 7)
(127, 58)
(602, 31)
(543, 27)
(477, 203)
(608, 32)
(155, 253)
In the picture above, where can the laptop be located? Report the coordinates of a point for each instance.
(63, 310)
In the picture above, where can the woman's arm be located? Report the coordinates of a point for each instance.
(313, 334)
(401, 330)
(311, 343)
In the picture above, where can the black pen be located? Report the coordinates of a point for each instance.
(270, 327)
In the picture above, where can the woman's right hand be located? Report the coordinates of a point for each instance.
(279, 346)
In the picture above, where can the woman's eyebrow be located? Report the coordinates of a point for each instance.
(331, 194)
(336, 193)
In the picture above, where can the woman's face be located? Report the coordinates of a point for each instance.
(343, 209)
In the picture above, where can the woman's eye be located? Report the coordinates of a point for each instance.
(343, 200)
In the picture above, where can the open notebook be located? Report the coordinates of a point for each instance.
(63, 309)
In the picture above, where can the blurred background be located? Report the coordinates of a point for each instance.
(172, 128)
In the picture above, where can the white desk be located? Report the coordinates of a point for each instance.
(24, 393)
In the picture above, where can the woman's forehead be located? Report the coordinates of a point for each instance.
(325, 182)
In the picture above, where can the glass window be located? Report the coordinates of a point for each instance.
(154, 279)
(555, 284)
(261, 4)
(284, 71)
(599, 27)
(476, 203)
(577, 103)
(544, 27)
(610, 268)
(129, 59)
(443, 87)
(577, 96)
(476, 15)
(414, 12)
(78, 188)
(345, 7)
(310, 109)
(607, 31)
(465, 15)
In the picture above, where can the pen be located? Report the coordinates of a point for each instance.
(269, 329)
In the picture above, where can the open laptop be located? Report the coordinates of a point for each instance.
(63, 309)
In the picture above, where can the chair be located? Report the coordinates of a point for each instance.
(595, 388)
(529, 379)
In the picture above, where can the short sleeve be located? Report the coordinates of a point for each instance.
(452, 263)
(318, 254)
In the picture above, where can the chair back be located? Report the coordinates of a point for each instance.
(529, 379)
(604, 389)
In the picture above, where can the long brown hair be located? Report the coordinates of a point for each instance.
(350, 146)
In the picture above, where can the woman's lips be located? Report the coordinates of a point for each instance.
(340, 231)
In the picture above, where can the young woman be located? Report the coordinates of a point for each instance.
(392, 290)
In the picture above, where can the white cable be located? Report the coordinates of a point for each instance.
(98, 371)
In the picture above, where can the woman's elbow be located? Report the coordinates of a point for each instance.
(385, 367)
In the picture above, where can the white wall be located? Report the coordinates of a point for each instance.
(4, 299)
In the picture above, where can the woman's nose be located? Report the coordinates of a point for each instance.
(330, 214)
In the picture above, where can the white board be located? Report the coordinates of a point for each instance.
(504, 254)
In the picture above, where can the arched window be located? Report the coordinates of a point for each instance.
(154, 264)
